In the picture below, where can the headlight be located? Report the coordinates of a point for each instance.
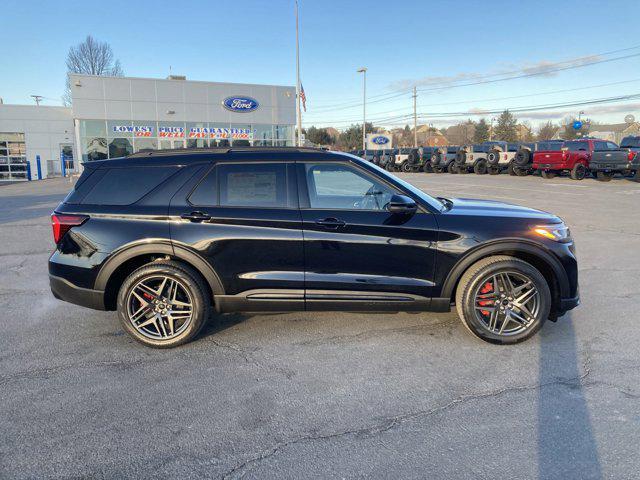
(558, 232)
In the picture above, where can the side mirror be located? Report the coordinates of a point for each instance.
(401, 204)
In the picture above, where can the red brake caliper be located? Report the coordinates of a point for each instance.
(486, 288)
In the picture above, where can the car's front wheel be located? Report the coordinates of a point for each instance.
(163, 304)
(503, 299)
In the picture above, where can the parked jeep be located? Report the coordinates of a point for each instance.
(608, 159)
(443, 158)
(425, 158)
(500, 156)
(523, 161)
(385, 157)
(472, 157)
(407, 160)
(573, 157)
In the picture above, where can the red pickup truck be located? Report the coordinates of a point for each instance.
(572, 156)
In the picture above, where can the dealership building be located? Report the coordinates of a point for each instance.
(115, 116)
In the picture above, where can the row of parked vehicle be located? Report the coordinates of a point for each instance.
(579, 158)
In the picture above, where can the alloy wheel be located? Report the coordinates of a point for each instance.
(160, 307)
(506, 303)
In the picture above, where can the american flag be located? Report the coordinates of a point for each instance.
(303, 98)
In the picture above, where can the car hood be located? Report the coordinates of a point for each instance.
(491, 208)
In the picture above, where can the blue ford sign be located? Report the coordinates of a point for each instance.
(240, 104)
(380, 140)
(577, 125)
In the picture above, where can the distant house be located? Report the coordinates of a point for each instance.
(429, 136)
(614, 131)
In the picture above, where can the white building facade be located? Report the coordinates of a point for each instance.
(115, 116)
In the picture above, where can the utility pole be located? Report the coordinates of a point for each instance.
(363, 70)
(299, 113)
(415, 119)
(37, 98)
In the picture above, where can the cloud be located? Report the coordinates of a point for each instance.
(543, 68)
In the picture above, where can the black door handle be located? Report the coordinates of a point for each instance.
(196, 216)
(330, 223)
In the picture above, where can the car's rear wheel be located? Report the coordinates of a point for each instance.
(406, 166)
(480, 168)
(494, 170)
(604, 176)
(521, 171)
(452, 168)
(578, 172)
(427, 168)
(547, 174)
(163, 304)
(503, 299)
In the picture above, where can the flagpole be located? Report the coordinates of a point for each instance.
(299, 113)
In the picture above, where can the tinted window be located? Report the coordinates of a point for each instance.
(253, 185)
(629, 142)
(124, 186)
(336, 186)
(576, 146)
(611, 146)
(600, 145)
(206, 193)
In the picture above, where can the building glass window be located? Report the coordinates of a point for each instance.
(119, 129)
(144, 144)
(197, 134)
(120, 147)
(93, 128)
(13, 160)
(94, 148)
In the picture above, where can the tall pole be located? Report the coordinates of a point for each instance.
(299, 112)
(415, 119)
(363, 70)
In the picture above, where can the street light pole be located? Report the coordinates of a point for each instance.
(298, 111)
(415, 119)
(363, 70)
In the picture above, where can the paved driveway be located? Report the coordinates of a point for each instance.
(328, 395)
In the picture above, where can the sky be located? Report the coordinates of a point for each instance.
(460, 55)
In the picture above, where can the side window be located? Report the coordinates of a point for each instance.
(339, 186)
(600, 146)
(206, 193)
(127, 185)
(611, 146)
(253, 185)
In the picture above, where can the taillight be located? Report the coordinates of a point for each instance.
(565, 154)
(631, 155)
(62, 223)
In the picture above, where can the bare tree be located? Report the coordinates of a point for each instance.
(91, 57)
(547, 131)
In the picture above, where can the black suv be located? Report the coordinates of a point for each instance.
(167, 237)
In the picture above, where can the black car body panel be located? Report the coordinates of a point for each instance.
(293, 256)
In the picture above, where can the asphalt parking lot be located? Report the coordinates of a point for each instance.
(328, 395)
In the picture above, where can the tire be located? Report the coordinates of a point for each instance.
(523, 156)
(437, 169)
(452, 168)
(480, 168)
(547, 174)
(635, 176)
(521, 171)
(493, 157)
(427, 168)
(190, 289)
(578, 172)
(406, 166)
(461, 157)
(494, 170)
(484, 275)
(511, 169)
(604, 176)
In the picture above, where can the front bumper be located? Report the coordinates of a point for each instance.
(64, 290)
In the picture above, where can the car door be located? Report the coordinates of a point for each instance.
(242, 217)
(357, 254)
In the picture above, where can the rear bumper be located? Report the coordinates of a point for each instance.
(551, 166)
(64, 290)
(614, 166)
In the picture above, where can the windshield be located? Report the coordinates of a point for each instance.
(630, 142)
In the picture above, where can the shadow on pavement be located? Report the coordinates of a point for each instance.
(567, 447)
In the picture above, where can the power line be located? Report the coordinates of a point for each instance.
(552, 92)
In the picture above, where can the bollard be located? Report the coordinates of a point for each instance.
(63, 168)
(39, 166)
(28, 171)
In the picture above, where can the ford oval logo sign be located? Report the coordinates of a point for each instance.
(240, 104)
(380, 140)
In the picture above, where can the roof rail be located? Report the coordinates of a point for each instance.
(218, 150)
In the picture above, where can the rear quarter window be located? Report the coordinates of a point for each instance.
(124, 186)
